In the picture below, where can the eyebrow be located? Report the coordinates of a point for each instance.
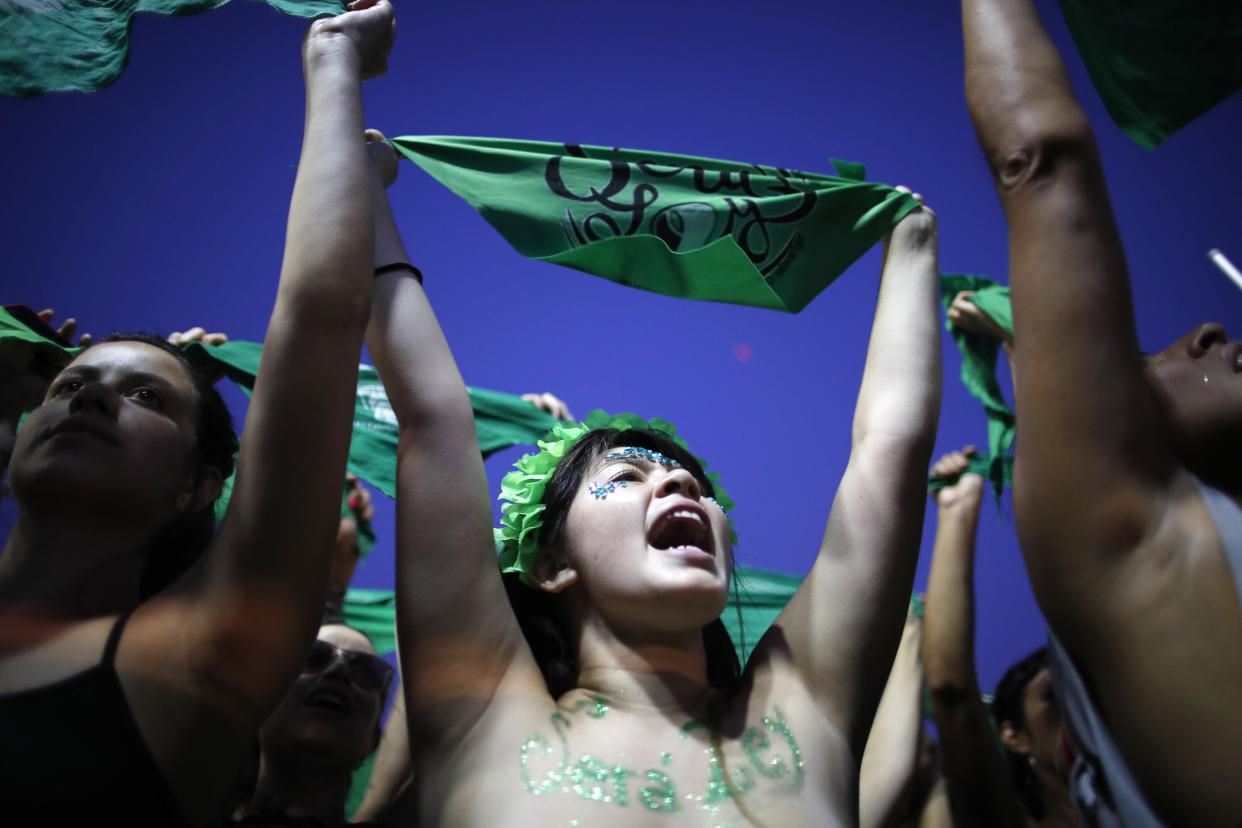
(605, 461)
(91, 372)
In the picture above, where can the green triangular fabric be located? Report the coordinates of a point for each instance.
(83, 45)
(696, 228)
(1158, 64)
(979, 355)
(12, 328)
(760, 597)
(500, 420)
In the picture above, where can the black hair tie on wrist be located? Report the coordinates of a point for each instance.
(396, 266)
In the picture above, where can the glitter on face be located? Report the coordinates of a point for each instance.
(646, 454)
(602, 492)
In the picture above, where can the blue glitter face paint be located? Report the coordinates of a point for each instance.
(602, 492)
(646, 454)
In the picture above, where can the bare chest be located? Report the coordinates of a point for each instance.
(589, 765)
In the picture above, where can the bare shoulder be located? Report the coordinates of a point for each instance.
(1165, 634)
(36, 653)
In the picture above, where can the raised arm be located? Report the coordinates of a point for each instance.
(1124, 559)
(980, 791)
(457, 632)
(842, 627)
(232, 637)
(1084, 402)
(886, 780)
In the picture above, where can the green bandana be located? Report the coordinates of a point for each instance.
(697, 228)
(522, 490)
(979, 355)
(83, 45)
(1158, 64)
(500, 420)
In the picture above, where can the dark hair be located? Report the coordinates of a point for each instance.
(537, 612)
(177, 546)
(1007, 707)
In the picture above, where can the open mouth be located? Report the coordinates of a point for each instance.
(686, 528)
(329, 698)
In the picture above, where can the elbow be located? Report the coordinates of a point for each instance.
(328, 308)
(949, 693)
(1038, 144)
(437, 411)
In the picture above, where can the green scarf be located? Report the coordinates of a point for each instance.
(697, 228)
(759, 599)
(500, 420)
(1158, 64)
(83, 45)
(979, 355)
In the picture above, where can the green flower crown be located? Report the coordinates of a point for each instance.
(521, 517)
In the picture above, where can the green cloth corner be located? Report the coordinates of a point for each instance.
(979, 355)
(759, 599)
(501, 420)
(683, 226)
(83, 45)
(1158, 64)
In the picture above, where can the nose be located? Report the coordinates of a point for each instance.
(95, 397)
(679, 481)
(1204, 337)
(337, 668)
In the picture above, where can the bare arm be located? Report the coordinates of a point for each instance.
(203, 663)
(391, 776)
(843, 625)
(1111, 526)
(458, 634)
(890, 760)
(1071, 295)
(980, 792)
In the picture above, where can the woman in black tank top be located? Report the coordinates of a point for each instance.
(135, 672)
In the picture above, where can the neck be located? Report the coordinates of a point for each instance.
(302, 786)
(72, 566)
(656, 672)
(1059, 807)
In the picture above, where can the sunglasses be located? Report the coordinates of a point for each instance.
(368, 672)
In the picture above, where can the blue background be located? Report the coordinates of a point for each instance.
(160, 203)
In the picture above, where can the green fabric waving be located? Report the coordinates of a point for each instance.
(500, 420)
(697, 228)
(979, 355)
(760, 597)
(83, 45)
(1158, 64)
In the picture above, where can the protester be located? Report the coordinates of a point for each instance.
(324, 729)
(1026, 785)
(653, 714)
(126, 702)
(1129, 470)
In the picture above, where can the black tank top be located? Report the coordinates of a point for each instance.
(71, 754)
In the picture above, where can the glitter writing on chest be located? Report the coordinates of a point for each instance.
(546, 766)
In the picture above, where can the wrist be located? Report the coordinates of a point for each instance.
(325, 50)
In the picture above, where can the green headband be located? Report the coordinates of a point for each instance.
(522, 490)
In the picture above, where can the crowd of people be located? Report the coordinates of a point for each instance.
(160, 667)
